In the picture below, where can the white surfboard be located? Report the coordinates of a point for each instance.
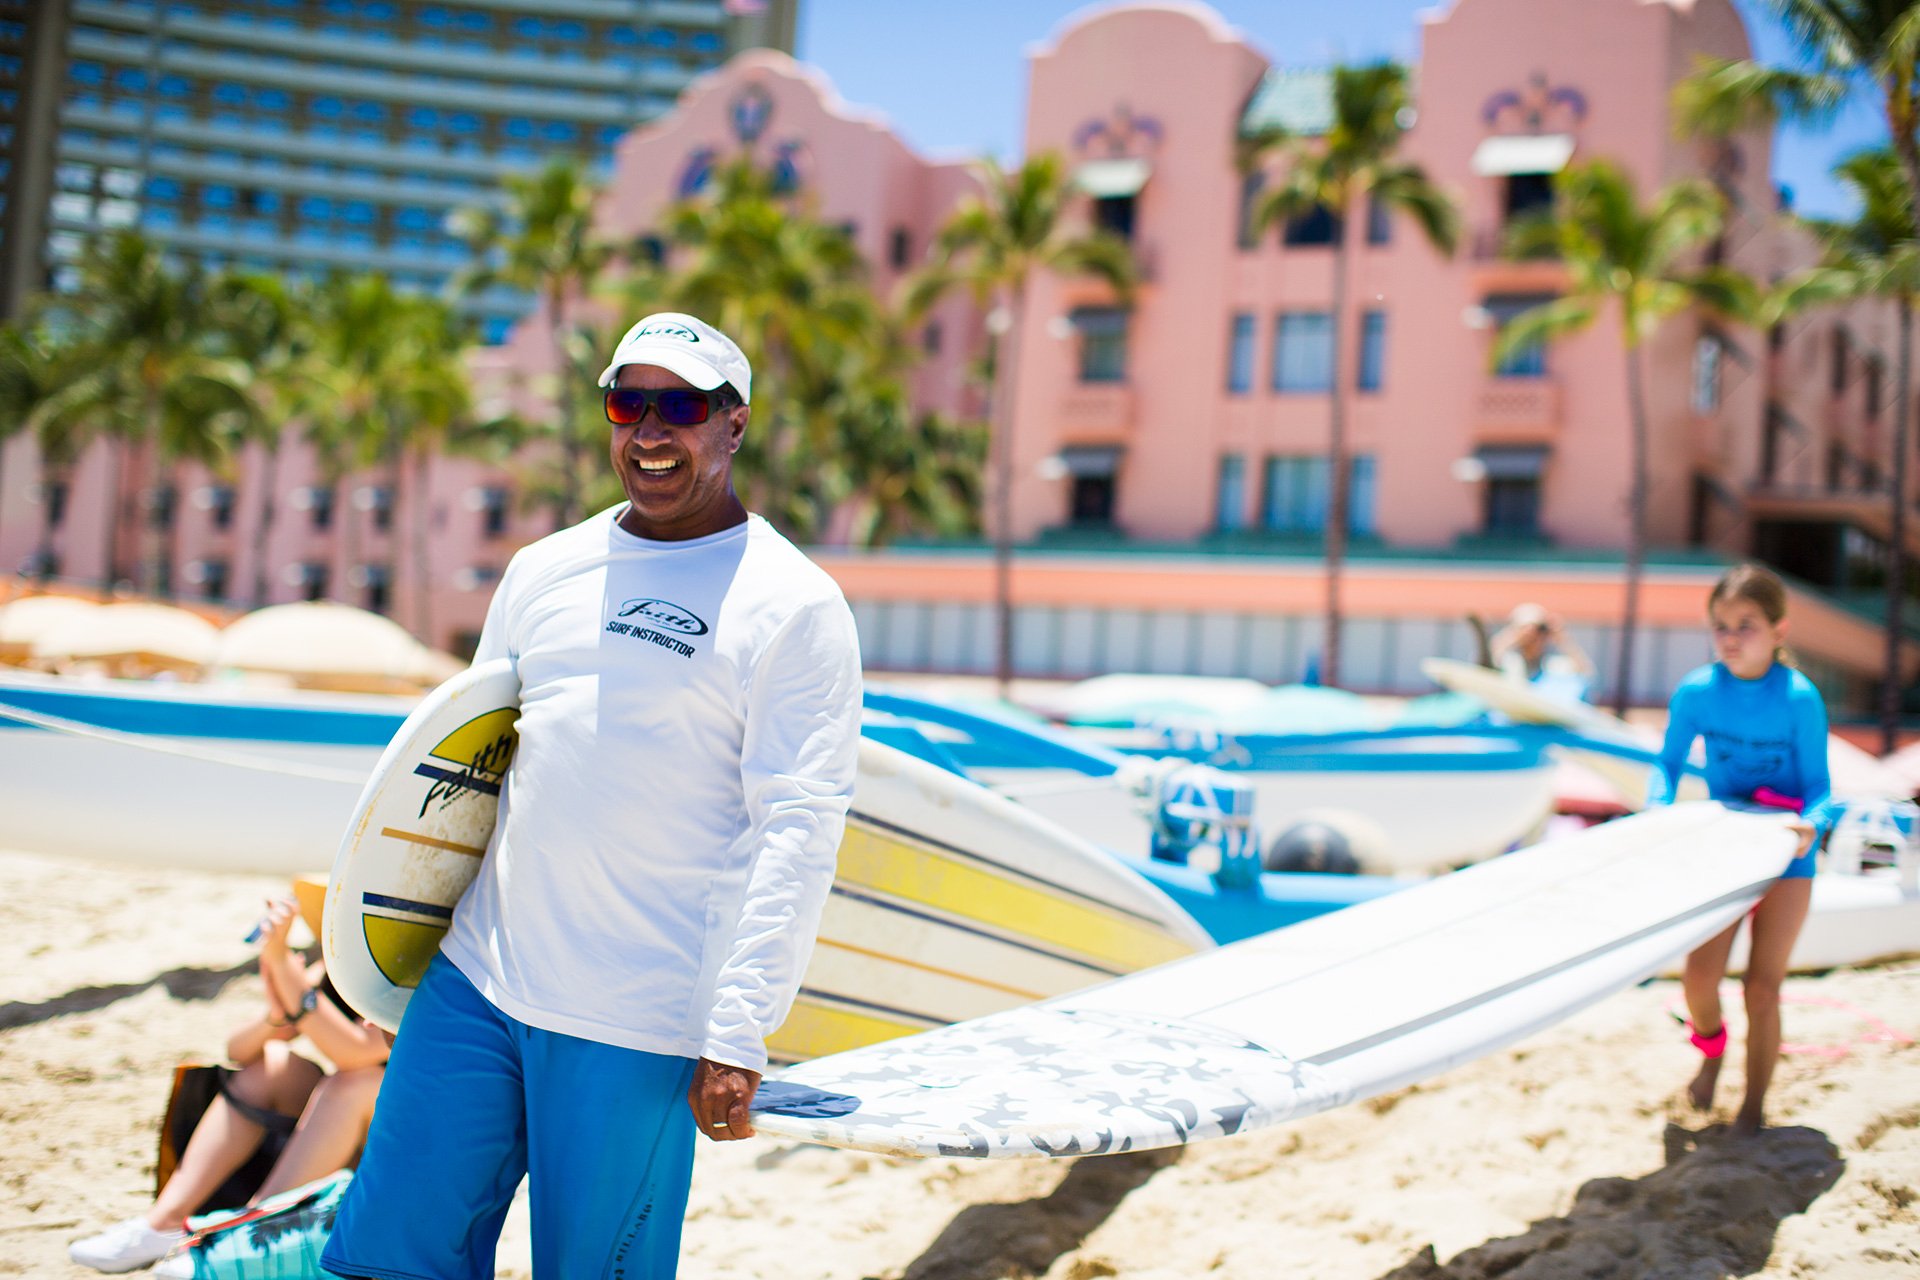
(1521, 702)
(1306, 1018)
(949, 902)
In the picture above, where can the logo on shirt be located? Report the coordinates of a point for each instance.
(666, 614)
(641, 618)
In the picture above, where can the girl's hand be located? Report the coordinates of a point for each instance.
(276, 924)
(1803, 831)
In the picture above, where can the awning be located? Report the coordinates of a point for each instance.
(1530, 153)
(1512, 461)
(1104, 178)
(1088, 460)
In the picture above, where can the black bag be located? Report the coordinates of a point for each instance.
(195, 1086)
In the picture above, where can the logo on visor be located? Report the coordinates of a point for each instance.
(664, 613)
(678, 332)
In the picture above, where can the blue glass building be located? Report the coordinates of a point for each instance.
(310, 136)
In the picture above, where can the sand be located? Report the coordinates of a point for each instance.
(1568, 1155)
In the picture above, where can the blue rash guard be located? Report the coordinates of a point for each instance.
(1768, 733)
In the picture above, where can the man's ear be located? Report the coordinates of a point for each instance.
(737, 426)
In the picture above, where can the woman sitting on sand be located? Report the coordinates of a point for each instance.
(276, 1096)
(1766, 736)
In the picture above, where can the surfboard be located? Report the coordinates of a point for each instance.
(949, 902)
(1324, 1013)
(1622, 768)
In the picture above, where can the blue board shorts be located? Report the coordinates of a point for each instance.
(474, 1100)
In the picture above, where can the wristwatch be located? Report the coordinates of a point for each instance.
(308, 1003)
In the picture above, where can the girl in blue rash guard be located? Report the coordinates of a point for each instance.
(1766, 741)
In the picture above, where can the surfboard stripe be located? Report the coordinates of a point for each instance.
(869, 861)
(401, 949)
(814, 1029)
(458, 777)
(937, 917)
(837, 998)
(1539, 975)
(407, 904)
(433, 842)
(955, 974)
(969, 855)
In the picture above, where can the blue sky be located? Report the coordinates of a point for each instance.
(952, 77)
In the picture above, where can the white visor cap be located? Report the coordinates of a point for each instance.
(690, 347)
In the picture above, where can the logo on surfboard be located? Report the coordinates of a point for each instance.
(473, 758)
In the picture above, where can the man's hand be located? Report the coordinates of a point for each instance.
(720, 1097)
(1803, 832)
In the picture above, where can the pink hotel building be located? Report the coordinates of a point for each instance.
(1169, 481)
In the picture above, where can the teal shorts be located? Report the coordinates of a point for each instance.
(473, 1101)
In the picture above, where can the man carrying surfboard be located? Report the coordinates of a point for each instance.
(690, 702)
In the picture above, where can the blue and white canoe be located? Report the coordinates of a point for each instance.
(184, 775)
(1424, 798)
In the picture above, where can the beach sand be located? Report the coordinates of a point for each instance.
(1567, 1155)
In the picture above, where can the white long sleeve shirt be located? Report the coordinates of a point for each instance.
(690, 717)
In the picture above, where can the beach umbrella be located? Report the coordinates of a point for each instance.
(27, 619)
(133, 636)
(324, 645)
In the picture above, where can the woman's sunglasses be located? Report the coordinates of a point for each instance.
(677, 406)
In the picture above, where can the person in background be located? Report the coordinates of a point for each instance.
(1534, 647)
(317, 1119)
(1765, 729)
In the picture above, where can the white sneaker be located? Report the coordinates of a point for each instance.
(125, 1246)
(177, 1267)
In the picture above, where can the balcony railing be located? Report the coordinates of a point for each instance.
(1097, 408)
(1518, 404)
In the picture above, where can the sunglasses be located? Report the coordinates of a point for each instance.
(677, 406)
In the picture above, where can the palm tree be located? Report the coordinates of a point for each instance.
(992, 244)
(129, 340)
(542, 242)
(1867, 49)
(264, 325)
(1632, 260)
(387, 388)
(1353, 166)
(794, 291)
(1847, 48)
(1877, 255)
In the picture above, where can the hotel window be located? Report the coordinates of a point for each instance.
(1372, 373)
(1528, 362)
(219, 501)
(1317, 226)
(54, 494)
(1511, 498)
(161, 501)
(1114, 215)
(377, 581)
(1103, 343)
(1251, 188)
(1295, 493)
(1240, 355)
(320, 506)
(899, 248)
(1839, 377)
(1303, 352)
(1379, 223)
(1093, 474)
(1230, 502)
(494, 502)
(1707, 350)
(378, 500)
(1876, 368)
(1294, 496)
(1527, 193)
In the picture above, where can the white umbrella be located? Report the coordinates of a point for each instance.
(25, 620)
(152, 635)
(332, 646)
